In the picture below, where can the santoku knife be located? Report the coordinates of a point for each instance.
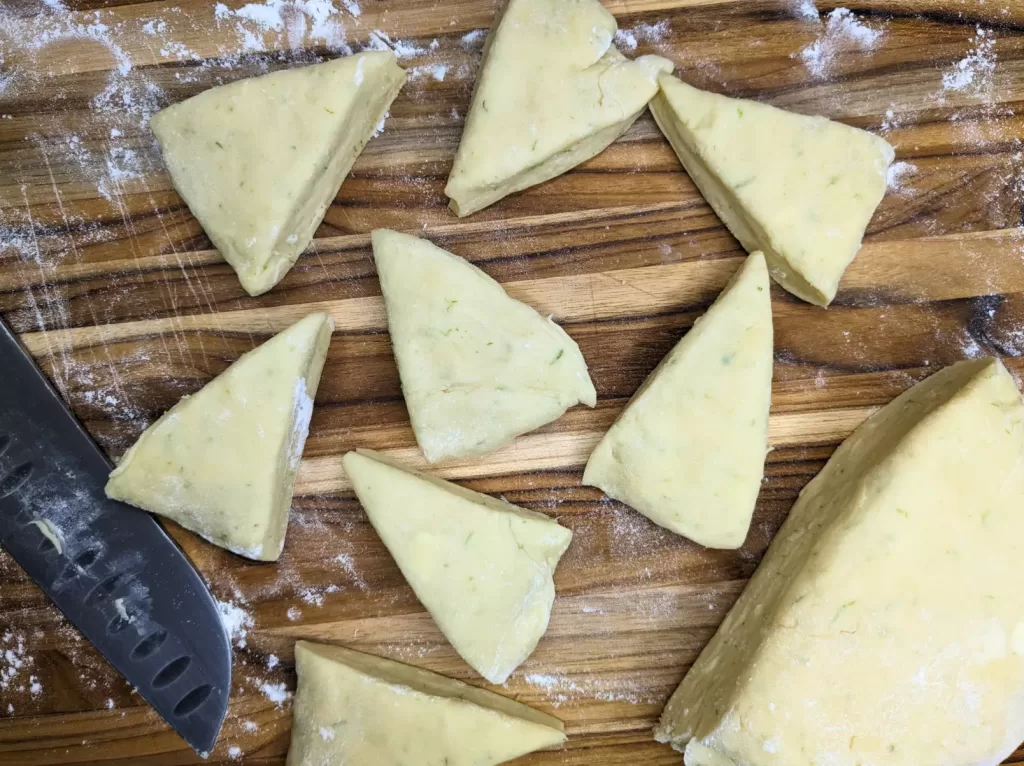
(110, 568)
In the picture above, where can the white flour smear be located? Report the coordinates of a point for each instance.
(898, 172)
(237, 622)
(629, 39)
(806, 10)
(843, 32)
(974, 73)
(290, 22)
(14, 663)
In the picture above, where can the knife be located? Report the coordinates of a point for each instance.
(110, 568)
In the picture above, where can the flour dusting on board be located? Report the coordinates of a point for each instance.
(843, 32)
(974, 72)
(806, 10)
(561, 688)
(629, 39)
(237, 622)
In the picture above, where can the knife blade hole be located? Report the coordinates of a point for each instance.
(171, 672)
(119, 623)
(5, 442)
(86, 558)
(102, 591)
(149, 645)
(191, 701)
(13, 481)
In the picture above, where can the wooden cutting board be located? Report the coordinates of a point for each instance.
(114, 288)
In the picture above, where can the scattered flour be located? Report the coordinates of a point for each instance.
(272, 662)
(234, 752)
(471, 40)
(295, 22)
(843, 32)
(13, 660)
(237, 622)
(561, 689)
(249, 726)
(326, 734)
(381, 41)
(805, 9)
(294, 613)
(437, 71)
(276, 693)
(974, 73)
(349, 566)
(629, 39)
(896, 174)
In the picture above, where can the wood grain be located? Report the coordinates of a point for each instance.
(115, 289)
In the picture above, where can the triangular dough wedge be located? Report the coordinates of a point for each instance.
(260, 160)
(885, 624)
(478, 368)
(222, 462)
(356, 709)
(688, 451)
(483, 568)
(552, 92)
(801, 189)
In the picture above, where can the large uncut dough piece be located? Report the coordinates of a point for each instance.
(353, 709)
(886, 622)
(801, 189)
(222, 462)
(478, 368)
(483, 568)
(552, 92)
(260, 160)
(688, 451)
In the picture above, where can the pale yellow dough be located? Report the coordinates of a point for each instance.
(483, 568)
(801, 189)
(259, 160)
(552, 92)
(478, 368)
(353, 709)
(885, 624)
(222, 462)
(688, 451)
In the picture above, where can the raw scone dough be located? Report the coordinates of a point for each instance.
(483, 568)
(478, 368)
(886, 622)
(688, 451)
(222, 461)
(801, 189)
(260, 160)
(353, 709)
(552, 92)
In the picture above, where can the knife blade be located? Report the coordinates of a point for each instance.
(110, 568)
